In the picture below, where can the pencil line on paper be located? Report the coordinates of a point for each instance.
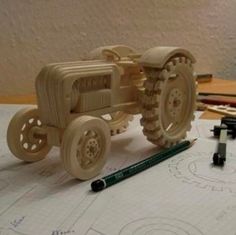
(92, 229)
(17, 200)
(83, 212)
(71, 212)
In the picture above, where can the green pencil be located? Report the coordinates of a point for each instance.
(129, 171)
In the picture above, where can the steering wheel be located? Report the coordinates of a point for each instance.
(111, 55)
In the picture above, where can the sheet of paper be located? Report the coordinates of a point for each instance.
(183, 195)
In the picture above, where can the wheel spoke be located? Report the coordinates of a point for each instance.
(98, 138)
(39, 123)
(95, 135)
(26, 145)
(25, 132)
(90, 134)
(35, 122)
(86, 162)
(31, 120)
(114, 115)
(89, 157)
(22, 138)
(24, 126)
(30, 145)
(33, 147)
(40, 142)
(169, 126)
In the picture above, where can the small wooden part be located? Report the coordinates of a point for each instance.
(82, 103)
(201, 106)
(223, 109)
(204, 77)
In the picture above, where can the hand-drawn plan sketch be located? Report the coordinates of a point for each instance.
(194, 169)
(182, 195)
(159, 225)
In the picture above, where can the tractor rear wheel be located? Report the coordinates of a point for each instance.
(169, 101)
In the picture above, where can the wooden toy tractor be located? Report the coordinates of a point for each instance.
(82, 103)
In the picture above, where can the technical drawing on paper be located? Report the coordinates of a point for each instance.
(50, 196)
(47, 197)
(154, 226)
(159, 226)
(196, 169)
(41, 198)
(44, 192)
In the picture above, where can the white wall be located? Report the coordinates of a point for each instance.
(36, 32)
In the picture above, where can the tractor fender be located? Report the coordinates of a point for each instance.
(157, 57)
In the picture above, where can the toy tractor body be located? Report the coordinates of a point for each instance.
(82, 103)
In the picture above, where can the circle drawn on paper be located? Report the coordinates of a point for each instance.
(159, 226)
(197, 169)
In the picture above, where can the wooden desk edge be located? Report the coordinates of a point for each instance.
(18, 99)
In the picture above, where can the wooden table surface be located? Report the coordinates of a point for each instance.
(215, 86)
(218, 86)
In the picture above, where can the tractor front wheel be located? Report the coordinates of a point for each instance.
(85, 145)
(23, 138)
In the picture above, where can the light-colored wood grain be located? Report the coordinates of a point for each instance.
(226, 110)
(211, 115)
(93, 148)
(18, 99)
(21, 136)
(217, 86)
(73, 98)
